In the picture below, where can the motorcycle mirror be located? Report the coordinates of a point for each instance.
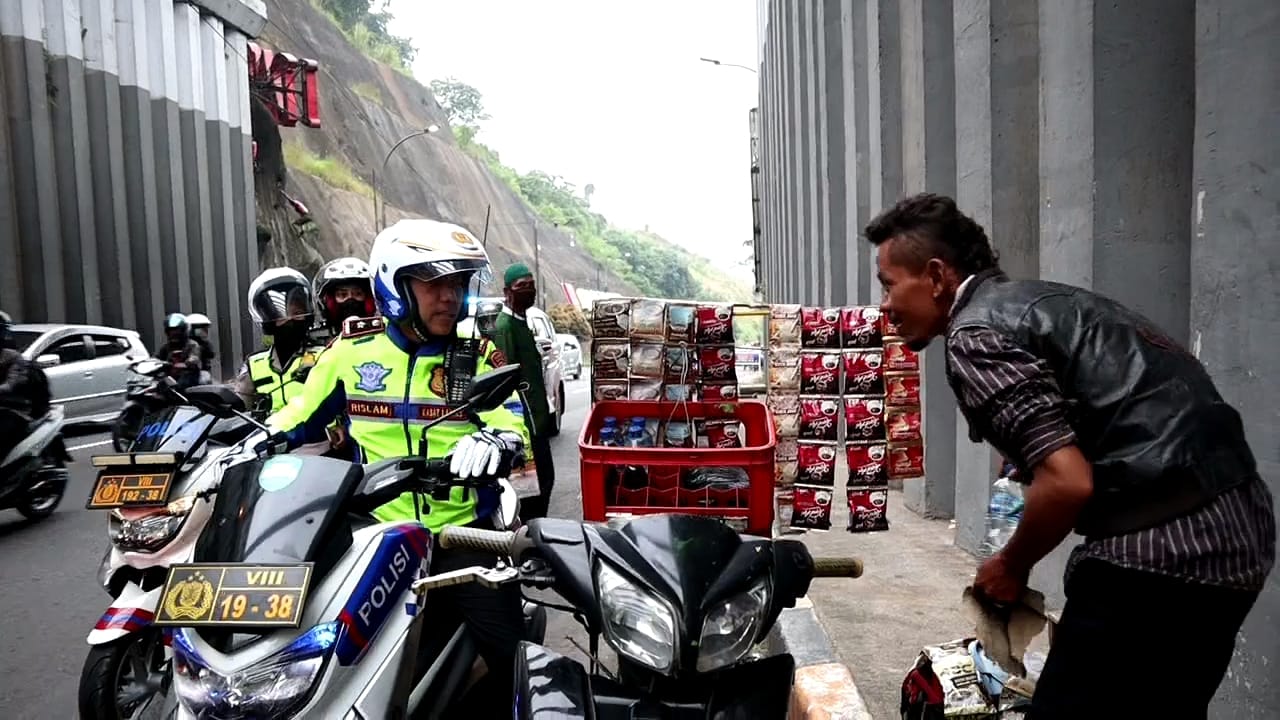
(490, 390)
(219, 401)
(147, 366)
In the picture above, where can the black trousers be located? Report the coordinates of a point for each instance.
(537, 507)
(493, 618)
(1134, 644)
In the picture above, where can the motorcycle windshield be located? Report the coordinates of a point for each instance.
(284, 509)
(174, 429)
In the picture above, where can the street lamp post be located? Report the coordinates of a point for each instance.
(726, 64)
(376, 224)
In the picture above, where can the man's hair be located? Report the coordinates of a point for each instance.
(931, 226)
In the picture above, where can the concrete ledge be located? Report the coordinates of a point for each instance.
(824, 687)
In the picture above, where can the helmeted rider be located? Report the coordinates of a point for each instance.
(24, 391)
(343, 289)
(391, 375)
(200, 326)
(180, 350)
(280, 302)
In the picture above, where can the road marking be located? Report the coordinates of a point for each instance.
(86, 446)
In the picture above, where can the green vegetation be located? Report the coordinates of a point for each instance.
(655, 266)
(366, 29)
(368, 91)
(331, 170)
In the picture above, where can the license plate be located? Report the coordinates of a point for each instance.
(130, 486)
(234, 595)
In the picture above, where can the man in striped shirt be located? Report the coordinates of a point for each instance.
(1122, 437)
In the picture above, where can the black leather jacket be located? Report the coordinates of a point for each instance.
(1146, 414)
(23, 385)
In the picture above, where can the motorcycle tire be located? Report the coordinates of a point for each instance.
(39, 507)
(100, 680)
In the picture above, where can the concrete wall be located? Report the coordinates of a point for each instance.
(125, 163)
(1126, 147)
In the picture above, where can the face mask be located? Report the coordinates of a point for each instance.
(522, 300)
(289, 337)
(349, 309)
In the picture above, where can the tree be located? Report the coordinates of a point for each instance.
(462, 103)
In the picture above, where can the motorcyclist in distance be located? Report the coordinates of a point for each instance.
(200, 325)
(24, 391)
(181, 351)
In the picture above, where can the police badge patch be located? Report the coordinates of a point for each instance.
(437, 383)
(373, 377)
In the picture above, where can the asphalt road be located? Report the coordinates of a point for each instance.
(50, 598)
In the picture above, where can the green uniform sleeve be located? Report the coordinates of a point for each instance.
(321, 384)
(501, 418)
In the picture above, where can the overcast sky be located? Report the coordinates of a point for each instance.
(611, 92)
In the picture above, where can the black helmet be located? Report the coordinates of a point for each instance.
(5, 322)
(175, 321)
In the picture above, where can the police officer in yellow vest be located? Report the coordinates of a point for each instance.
(390, 377)
(280, 302)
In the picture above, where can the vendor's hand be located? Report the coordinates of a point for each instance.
(482, 453)
(999, 582)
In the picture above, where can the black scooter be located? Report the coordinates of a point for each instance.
(681, 599)
(33, 475)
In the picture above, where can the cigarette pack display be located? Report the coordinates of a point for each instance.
(606, 389)
(786, 449)
(900, 358)
(678, 392)
(648, 319)
(863, 372)
(715, 325)
(811, 507)
(784, 325)
(902, 424)
(816, 464)
(681, 321)
(902, 389)
(680, 364)
(784, 368)
(819, 418)
(720, 392)
(868, 464)
(717, 364)
(820, 327)
(888, 328)
(819, 372)
(864, 418)
(647, 360)
(868, 509)
(645, 389)
(860, 327)
(785, 473)
(906, 460)
(610, 359)
(611, 318)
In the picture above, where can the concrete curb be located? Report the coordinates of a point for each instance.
(824, 687)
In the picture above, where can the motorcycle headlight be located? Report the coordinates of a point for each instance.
(637, 623)
(275, 687)
(150, 532)
(730, 628)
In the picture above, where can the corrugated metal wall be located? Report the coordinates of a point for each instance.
(126, 175)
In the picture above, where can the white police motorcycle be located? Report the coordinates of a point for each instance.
(299, 603)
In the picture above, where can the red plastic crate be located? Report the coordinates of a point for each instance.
(664, 494)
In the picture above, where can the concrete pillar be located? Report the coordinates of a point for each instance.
(1234, 309)
(876, 148)
(929, 163)
(201, 241)
(791, 150)
(167, 140)
(1115, 151)
(808, 287)
(853, 50)
(997, 174)
(889, 32)
(838, 173)
(106, 147)
(240, 139)
(11, 281)
(141, 204)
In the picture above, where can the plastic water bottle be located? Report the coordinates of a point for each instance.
(1003, 514)
(636, 477)
(608, 436)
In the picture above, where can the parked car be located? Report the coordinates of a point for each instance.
(87, 365)
(570, 355)
(544, 332)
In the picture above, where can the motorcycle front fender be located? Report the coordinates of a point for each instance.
(133, 610)
(551, 685)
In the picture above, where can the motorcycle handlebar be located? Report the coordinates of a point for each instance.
(830, 567)
(498, 542)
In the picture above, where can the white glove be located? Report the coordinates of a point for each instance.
(481, 453)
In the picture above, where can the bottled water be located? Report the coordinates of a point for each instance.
(1003, 514)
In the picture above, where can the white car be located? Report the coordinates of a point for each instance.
(544, 332)
(570, 355)
(87, 365)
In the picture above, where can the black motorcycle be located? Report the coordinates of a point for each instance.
(681, 599)
(146, 394)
